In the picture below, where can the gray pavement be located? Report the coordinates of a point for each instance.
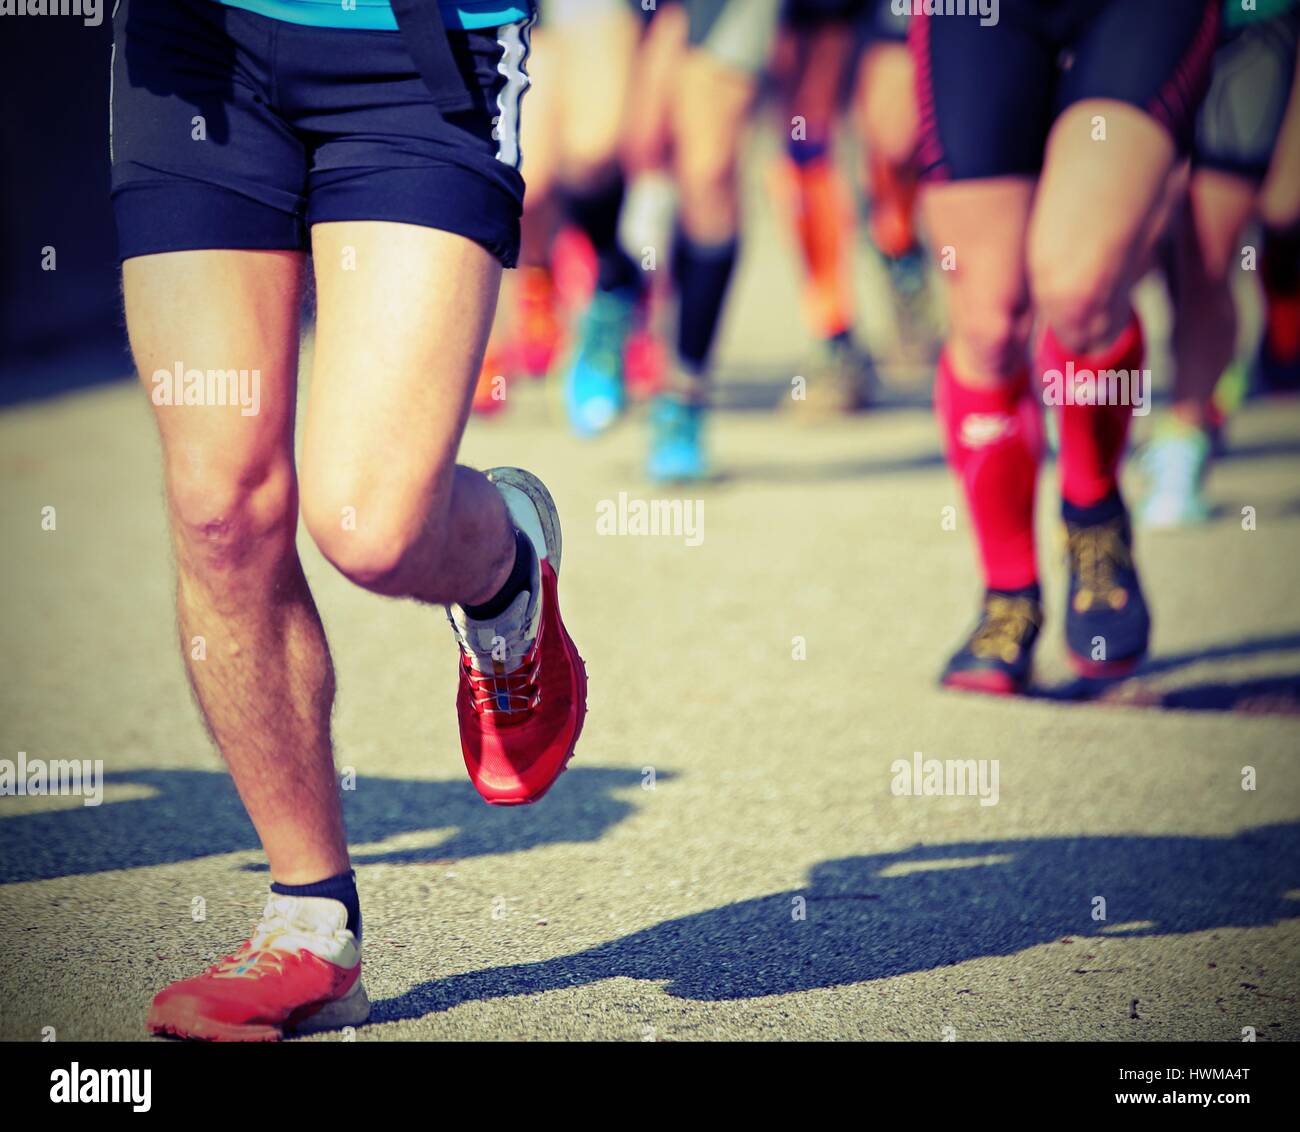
(725, 857)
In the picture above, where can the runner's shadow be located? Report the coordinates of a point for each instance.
(192, 814)
(869, 918)
(1270, 694)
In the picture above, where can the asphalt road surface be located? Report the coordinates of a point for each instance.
(726, 857)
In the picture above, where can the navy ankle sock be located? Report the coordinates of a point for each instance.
(342, 888)
(1103, 511)
(521, 578)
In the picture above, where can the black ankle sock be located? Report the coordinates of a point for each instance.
(702, 273)
(342, 888)
(596, 212)
(521, 578)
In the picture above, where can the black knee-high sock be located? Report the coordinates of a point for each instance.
(342, 888)
(596, 212)
(702, 273)
(1281, 260)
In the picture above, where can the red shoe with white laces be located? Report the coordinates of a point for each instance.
(523, 686)
(301, 971)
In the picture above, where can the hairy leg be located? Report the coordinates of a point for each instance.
(399, 342)
(249, 630)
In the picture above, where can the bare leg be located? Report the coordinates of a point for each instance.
(889, 123)
(1101, 205)
(978, 230)
(1205, 321)
(398, 344)
(250, 634)
(709, 115)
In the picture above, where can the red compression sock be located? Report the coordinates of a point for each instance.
(992, 438)
(1093, 435)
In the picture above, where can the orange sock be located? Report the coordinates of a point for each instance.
(820, 223)
(893, 202)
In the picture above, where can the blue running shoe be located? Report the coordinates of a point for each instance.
(1174, 465)
(676, 441)
(592, 383)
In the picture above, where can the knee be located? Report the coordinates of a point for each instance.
(228, 520)
(710, 201)
(990, 340)
(1078, 296)
(367, 538)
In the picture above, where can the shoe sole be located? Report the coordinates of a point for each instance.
(988, 683)
(351, 1010)
(548, 519)
(1103, 669)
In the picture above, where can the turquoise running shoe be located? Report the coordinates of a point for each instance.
(1174, 465)
(592, 385)
(676, 441)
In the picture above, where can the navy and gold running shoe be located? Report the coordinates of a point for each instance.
(997, 656)
(1107, 624)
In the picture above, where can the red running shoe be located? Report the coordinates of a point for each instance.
(523, 686)
(301, 971)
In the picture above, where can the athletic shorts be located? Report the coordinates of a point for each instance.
(1240, 120)
(988, 94)
(885, 22)
(232, 130)
(738, 33)
(805, 14)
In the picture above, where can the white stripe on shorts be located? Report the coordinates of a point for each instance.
(513, 39)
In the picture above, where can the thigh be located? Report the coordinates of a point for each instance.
(402, 319)
(593, 52)
(647, 136)
(1101, 203)
(539, 118)
(711, 105)
(1218, 207)
(885, 102)
(215, 340)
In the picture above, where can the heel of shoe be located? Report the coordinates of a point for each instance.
(350, 1010)
(540, 499)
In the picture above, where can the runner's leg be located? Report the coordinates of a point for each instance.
(382, 494)
(262, 673)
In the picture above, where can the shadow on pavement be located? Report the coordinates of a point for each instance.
(1275, 694)
(197, 814)
(875, 917)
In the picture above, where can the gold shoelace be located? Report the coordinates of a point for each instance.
(1005, 623)
(1096, 553)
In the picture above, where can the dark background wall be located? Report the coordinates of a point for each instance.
(58, 328)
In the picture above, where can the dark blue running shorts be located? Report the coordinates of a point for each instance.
(232, 130)
(988, 93)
